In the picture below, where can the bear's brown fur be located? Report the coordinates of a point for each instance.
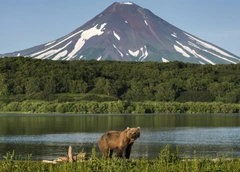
(120, 140)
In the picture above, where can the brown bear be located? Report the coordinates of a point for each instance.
(119, 140)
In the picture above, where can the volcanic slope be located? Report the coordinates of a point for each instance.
(127, 32)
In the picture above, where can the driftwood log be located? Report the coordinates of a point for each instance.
(68, 158)
(70, 154)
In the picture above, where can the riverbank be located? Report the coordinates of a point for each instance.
(166, 161)
(124, 165)
(117, 107)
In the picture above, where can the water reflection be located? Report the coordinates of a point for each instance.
(48, 136)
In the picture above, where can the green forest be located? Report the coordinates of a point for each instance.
(87, 82)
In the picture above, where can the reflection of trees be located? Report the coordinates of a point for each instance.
(32, 124)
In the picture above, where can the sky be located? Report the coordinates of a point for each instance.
(27, 23)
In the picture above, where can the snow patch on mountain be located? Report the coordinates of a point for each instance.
(174, 35)
(193, 52)
(99, 58)
(144, 53)
(60, 55)
(51, 52)
(164, 60)
(80, 57)
(206, 45)
(221, 57)
(194, 45)
(187, 49)
(87, 34)
(118, 50)
(49, 43)
(134, 53)
(116, 35)
(146, 22)
(39, 52)
(180, 50)
(205, 59)
(127, 3)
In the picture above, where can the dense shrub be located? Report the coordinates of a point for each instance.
(117, 107)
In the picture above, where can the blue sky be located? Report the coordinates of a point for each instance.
(27, 23)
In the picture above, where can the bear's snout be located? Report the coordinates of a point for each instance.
(134, 135)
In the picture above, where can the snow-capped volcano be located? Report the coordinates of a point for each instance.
(126, 32)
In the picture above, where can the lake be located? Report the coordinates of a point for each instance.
(48, 136)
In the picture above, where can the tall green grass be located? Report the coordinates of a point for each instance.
(165, 161)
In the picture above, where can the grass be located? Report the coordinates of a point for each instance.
(165, 161)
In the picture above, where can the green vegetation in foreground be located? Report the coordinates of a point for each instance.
(165, 161)
(117, 107)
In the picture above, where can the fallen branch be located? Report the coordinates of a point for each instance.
(68, 158)
(70, 154)
(49, 162)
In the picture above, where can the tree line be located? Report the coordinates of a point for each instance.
(23, 78)
(118, 107)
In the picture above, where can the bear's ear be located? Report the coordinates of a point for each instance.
(128, 128)
(138, 128)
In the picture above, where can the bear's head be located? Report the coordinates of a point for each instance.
(133, 133)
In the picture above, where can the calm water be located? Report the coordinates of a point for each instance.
(48, 136)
